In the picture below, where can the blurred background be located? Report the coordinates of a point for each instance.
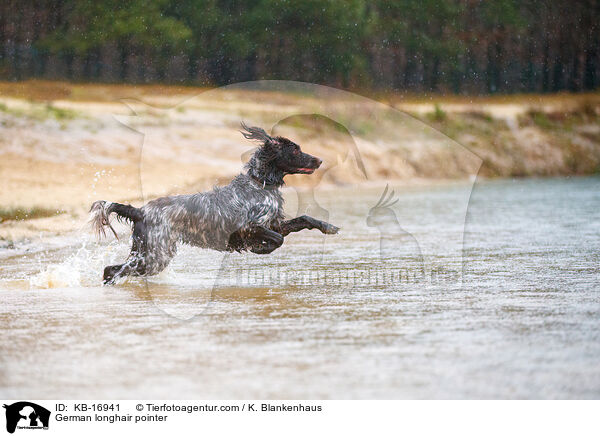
(500, 88)
(449, 46)
(483, 117)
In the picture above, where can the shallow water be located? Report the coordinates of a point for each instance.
(388, 311)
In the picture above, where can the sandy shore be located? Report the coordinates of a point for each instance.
(64, 146)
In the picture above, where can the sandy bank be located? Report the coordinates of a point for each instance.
(64, 146)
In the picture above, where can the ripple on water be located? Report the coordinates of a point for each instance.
(522, 322)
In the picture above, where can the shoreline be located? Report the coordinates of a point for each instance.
(52, 233)
(66, 145)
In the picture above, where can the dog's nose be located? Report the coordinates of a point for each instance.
(319, 162)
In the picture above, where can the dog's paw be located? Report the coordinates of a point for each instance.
(330, 229)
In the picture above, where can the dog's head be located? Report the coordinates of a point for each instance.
(277, 157)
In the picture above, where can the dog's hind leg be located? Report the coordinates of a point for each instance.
(136, 264)
(152, 247)
(113, 272)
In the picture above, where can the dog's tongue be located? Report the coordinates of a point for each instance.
(306, 170)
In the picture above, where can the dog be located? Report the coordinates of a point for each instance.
(246, 215)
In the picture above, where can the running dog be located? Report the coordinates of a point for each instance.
(246, 215)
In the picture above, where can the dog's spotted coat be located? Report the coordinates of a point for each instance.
(245, 215)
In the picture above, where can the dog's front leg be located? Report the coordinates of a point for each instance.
(306, 222)
(263, 240)
(257, 239)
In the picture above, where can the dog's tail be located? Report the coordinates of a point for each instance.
(100, 214)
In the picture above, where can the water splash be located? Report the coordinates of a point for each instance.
(82, 268)
(56, 276)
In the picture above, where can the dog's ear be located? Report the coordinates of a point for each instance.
(256, 133)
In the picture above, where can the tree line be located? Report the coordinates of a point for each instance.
(452, 46)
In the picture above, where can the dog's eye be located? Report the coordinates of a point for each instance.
(296, 150)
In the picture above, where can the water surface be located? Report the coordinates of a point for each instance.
(387, 311)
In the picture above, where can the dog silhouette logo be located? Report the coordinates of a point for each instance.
(26, 415)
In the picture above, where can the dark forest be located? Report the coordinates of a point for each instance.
(442, 46)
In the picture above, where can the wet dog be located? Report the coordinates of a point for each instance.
(246, 215)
